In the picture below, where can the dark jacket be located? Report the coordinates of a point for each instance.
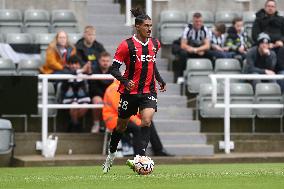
(257, 63)
(83, 52)
(272, 25)
(98, 87)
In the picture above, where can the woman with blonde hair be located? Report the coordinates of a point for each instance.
(57, 53)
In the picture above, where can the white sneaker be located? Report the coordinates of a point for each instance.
(108, 163)
(96, 127)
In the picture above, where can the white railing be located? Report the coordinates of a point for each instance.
(128, 7)
(227, 144)
(41, 145)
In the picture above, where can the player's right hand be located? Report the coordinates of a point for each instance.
(130, 85)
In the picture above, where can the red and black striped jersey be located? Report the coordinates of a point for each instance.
(140, 60)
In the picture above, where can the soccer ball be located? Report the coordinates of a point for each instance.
(143, 165)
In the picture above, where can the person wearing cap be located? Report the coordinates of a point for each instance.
(260, 59)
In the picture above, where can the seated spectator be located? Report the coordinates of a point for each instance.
(88, 49)
(237, 40)
(217, 38)
(280, 66)
(260, 59)
(195, 42)
(110, 116)
(98, 87)
(269, 21)
(75, 92)
(57, 54)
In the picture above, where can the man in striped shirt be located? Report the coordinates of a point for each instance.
(195, 41)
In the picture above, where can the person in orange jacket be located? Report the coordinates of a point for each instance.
(57, 54)
(110, 116)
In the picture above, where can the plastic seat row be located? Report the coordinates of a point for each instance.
(242, 93)
(172, 22)
(37, 21)
(197, 71)
(24, 67)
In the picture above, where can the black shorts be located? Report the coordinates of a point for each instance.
(129, 104)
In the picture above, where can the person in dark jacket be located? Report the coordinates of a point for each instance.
(260, 59)
(268, 21)
(88, 49)
(98, 88)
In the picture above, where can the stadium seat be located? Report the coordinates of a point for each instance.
(64, 20)
(36, 21)
(226, 17)
(227, 66)
(248, 18)
(19, 38)
(1, 38)
(6, 136)
(29, 67)
(10, 21)
(204, 100)
(268, 93)
(7, 67)
(242, 93)
(208, 17)
(172, 24)
(196, 73)
(281, 13)
(74, 37)
(44, 39)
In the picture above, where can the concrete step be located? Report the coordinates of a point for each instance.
(104, 8)
(167, 76)
(94, 2)
(102, 19)
(113, 30)
(190, 150)
(182, 138)
(172, 101)
(177, 125)
(172, 89)
(80, 143)
(174, 113)
(111, 40)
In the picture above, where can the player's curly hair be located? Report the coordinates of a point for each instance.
(139, 15)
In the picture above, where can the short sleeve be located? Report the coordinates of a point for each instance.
(185, 32)
(121, 53)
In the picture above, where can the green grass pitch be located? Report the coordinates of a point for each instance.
(219, 176)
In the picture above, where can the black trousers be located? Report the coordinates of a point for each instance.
(134, 130)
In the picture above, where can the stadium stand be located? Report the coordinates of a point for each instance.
(74, 37)
(19, 38)
(7, 67)
(64, 20)
(172, 24)
(29, 67)
(36, 21)
(226, 17)
(6, 137)
(10, 21)
(196, 73)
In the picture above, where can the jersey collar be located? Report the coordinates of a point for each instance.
(136, 39)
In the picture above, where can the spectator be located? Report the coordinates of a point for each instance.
(75, 92)
(57, 54)
(268, 21)
(110, 116)
(217, 37)
(195, 42)
(260, 59)
(88, 49)
(98, 87)
(237, 40)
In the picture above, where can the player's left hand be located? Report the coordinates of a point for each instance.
(163, 87)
